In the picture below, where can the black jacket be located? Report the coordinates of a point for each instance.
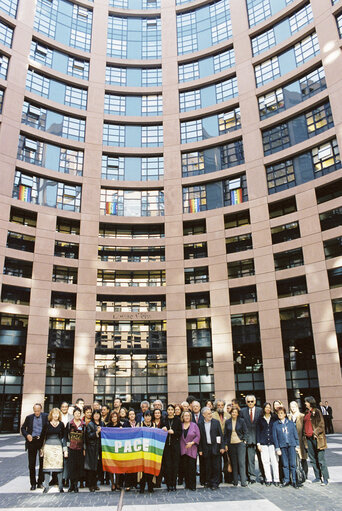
(173, 440)
(27, 427)
(240, 430)
(251, 426)
(264, 434)
(200, 418)
(215, 432)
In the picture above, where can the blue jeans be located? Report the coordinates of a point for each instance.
(288, 458)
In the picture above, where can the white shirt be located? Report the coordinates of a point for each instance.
(207, 431)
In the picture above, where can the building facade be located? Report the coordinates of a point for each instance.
(170, 215)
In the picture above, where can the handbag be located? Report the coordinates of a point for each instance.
(300, 474)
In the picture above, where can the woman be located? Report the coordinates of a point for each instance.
(265, 444)
(114, 422)
(209, 404)
(146, 478)
(189, 441)
(158, 418)
(178, 410)
(131, 479)
(92, 449)
(87, 411)
(235, 437)
(123, 417)
(75, 437)
(315, 440)
(298, 418)
(171, 455)
(276, 404)
(286, 444)
(54, 448)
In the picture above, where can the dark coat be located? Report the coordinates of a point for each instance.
(329, 410)
(215, 432)
(251, 426)
(240, 430)
(200, 418)
(27, 427)
(92, 445)
(264, 434)
(285, 434)
(318, 427)
(173, 440)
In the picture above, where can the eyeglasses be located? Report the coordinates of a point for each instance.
(250, 401)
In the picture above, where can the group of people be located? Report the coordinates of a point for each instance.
(223, 440)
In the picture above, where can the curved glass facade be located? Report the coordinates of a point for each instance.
(188, 151)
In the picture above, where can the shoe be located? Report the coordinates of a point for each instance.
(61, 490)
(173, 488)
(46, 489)
(286, 483)
(325, 482)
(277, 484)
(169, 488)
(128, 489)
(235, 484)
(316, 480)
(252, 481)
(71, 489)
(40, 486)
(244, 485)
(33, 487)
(151, 490)
(113, 488)
(213, 487)
(295, 486)
(142, 490)
(97, 488)
(268, 483)
(76, 489)
(92, 490)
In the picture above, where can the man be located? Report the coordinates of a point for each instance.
(96, 406)
(185, 406)
(117, 404)
(210, 448)
(222, 416)
(251, 414)
(80, 404)
(158, 405)
(196, 413)
(144, 406)
(66, 416)
(32, 430)
(330, 418)
(325, 416)
(235, 403)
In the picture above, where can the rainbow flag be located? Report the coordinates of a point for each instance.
(195, 205)
(25, 193)
(111, 208)
(236, 196)
(129, 450)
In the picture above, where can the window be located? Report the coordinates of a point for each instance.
(131, 254)
(298, 129)
(131, 278)
(232, 220)
(304, 167)
(196, 275)
(3, 66)
(59, 61)
(9, 7)
(67, 225)
(19, 241)
(57, 194)
(56, 90)
(197, 300)
(239, 243)
(286, 232)
(291, 287)
(110, 303)
(15, 295)
(23, 217)
(131, 231)
(132, 168)
(66, 249)
(64, 274)
(132, 202)
(17, 268)
(328, 192)
(63, 300)
(64, 22)
(6, 34)
(243, 268)
(333, 247)
(194, 227)
(335, 277)
(331, 219)
(282, 207)
(339, 24)
(213, 159)
(288, 259)
(195, 250)
(240, 295)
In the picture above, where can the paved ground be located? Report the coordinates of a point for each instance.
(15, 494)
